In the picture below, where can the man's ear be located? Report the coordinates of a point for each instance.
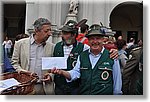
(36, 30)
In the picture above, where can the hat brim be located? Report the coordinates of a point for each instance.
(66, 29)
(94, 34)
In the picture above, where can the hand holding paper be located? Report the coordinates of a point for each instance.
(61, 72)
(51, 62)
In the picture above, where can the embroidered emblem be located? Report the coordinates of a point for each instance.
(75, 53)
(83, 68)
(105, 75)
(106, 63)
(74, 63)
(71, 55)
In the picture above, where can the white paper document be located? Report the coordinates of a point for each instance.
(4, 84)
(51, 62)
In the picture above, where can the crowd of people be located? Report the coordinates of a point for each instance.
(96, 63)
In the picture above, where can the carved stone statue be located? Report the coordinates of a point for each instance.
(73, 9)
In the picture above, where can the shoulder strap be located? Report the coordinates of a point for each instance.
(83, 39)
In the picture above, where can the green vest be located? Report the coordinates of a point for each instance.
(99, 80)
(60, 81)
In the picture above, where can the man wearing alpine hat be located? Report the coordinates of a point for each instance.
(98, 73)
(69, 48)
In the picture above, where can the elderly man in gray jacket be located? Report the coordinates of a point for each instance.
(28, 53)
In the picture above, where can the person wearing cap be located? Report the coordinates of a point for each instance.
(109, 40)
(98, 73)
(28, 53)
(70, 48)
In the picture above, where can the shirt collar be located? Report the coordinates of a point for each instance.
(99, 53)
(32, 40)
(70, 46)
(122, 51)
(74, 44)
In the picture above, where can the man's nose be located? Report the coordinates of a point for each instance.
(94, 41)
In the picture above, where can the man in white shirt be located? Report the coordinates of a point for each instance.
(98, 73)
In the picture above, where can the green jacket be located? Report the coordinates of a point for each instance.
(98, 80)
(59, 80)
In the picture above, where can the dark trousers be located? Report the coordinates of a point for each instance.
(65, 91)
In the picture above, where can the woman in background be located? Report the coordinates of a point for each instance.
(7, 44)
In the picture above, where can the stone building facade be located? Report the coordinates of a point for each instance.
(125, 17)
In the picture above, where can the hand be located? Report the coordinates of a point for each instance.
(34, 75)
(113, 53)
(23, 71)
(46, 78)
(27, 72)
(56, 71)
(61, 72)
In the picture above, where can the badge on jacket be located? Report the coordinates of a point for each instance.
(74, 63)
(105, 75)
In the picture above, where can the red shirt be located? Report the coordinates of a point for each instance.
(110, 46)
(81, 38)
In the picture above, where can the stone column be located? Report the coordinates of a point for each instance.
(93, 11)
(50, 10)
(55, 17)
(31, 15)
